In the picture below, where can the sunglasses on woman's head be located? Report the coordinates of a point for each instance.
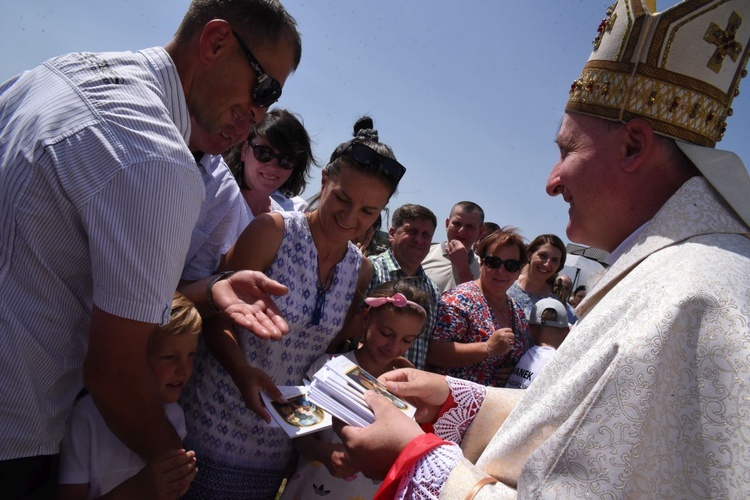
(265, 154)
(511, 265)
(367, 157)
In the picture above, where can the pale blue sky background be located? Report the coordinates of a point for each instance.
(469, 94)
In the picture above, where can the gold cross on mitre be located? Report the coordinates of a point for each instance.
(605, 25)
(724, 40)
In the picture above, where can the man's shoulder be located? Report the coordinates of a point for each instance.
(385, 267)
(429, 283)
(435, 254)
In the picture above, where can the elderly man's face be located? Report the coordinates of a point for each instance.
(585, 176)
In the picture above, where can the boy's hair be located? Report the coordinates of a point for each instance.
(408, 289)
(184, 319)
(549, 315)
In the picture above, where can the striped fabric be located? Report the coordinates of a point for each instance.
(221, 221)
(98, 198)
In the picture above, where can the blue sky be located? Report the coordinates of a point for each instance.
(469, 94)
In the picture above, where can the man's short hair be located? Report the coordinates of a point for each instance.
(260, 23)
(410, 212)
(468, 207)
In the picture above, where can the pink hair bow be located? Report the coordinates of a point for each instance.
(398, 300)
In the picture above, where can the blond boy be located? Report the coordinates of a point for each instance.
(94, 462)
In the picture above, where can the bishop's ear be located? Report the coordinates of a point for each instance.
(639, 141)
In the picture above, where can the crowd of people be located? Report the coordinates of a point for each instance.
(131, 371)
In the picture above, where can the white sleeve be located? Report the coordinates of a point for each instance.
(75, 451)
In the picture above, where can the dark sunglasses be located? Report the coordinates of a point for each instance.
(267, 91)
(366, 156)
(511, 265)
(265, 154)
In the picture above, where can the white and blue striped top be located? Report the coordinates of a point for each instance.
(98, 198)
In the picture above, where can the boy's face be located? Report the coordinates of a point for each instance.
(171, 360)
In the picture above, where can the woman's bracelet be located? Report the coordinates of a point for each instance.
(211, 283)
(488, 349)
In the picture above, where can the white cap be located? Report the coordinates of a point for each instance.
(535, 317)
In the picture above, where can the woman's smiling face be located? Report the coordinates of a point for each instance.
(259, 176)
(544, 262)
(350, 202)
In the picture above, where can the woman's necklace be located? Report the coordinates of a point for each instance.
(322, 284)
(500, 311)
(322, 287)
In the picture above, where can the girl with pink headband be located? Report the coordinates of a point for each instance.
(392, 318)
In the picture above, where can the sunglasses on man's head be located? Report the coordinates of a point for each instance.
(267, 90)
(265, 154)
(511, 265)
(367, 157)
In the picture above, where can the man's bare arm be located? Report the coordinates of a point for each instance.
(117, 374)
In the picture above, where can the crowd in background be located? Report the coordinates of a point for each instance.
(130, 371)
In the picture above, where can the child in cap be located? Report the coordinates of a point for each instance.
(93, 461)
(548, 325)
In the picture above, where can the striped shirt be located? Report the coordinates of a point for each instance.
(386, 268)
(98, 197)
(221, 221)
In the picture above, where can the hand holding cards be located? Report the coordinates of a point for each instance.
(339, 387)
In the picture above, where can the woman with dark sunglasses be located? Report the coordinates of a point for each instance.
(239, 455)
(546, 259)
(481, 333)
(272, 167)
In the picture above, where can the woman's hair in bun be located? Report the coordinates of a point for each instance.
(366, 134)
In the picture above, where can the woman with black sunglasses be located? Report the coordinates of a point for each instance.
(272, 167)
(481, 333)
(238, 454)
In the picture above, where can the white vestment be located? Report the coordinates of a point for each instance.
(649, 395)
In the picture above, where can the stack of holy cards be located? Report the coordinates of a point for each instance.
(298, 416)
(340, 387)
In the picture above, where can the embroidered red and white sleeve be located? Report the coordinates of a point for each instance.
(426, 478)
(468, 397)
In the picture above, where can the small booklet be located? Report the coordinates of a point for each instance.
(298, 416)
(339, 387)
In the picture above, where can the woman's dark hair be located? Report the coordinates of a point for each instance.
(364, 133)
(556, 242)
(286, 134)
(408, 288)
(579, 288)
(505, 237)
